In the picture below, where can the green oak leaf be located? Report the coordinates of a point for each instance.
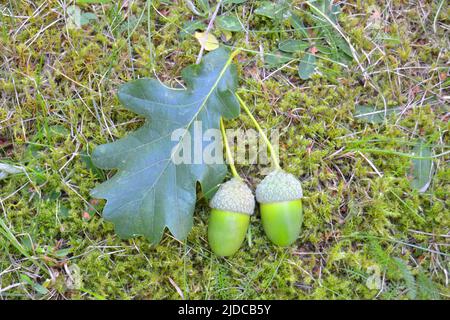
(149, 191)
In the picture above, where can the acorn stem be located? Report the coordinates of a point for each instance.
(261, 132)
(228, 154)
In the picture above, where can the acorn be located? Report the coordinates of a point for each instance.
(279, 195)
(232, 206)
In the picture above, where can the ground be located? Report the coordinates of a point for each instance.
(367, 233)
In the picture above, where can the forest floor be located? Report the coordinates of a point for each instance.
(376, 185)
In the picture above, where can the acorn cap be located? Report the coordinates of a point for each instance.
(234, 196)
(279, 186)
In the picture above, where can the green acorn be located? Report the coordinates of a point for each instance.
(279, 195)
(232, 206)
